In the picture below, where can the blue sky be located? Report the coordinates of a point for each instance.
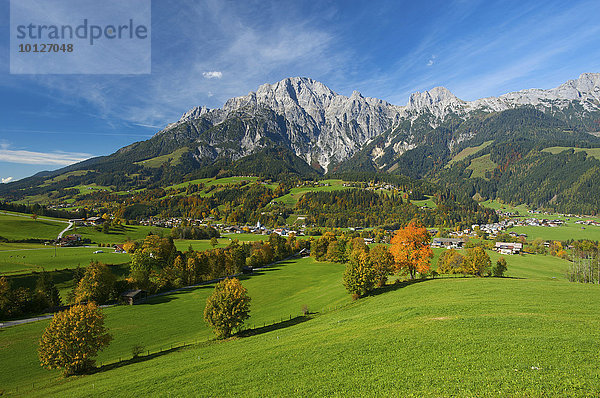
(204, 52)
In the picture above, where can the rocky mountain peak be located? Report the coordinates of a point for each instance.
(437, 101)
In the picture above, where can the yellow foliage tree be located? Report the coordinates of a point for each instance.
(227, 308)
(73, 338)
(476, 262)
(410, 248)
(97, 284)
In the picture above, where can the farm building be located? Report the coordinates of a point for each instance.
(448, 243)
(508, 248)
(132, 297)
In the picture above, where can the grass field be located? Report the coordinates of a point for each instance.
(426, 202)
(481, 165)
(212, 181)
(19, 261)
(564, 232)
(120, 235)
(443, 337)
(295, 194)
(467, 152)
(17, 227)
(277, 293)
(173, 159)
(594, 152)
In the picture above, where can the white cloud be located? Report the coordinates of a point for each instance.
(30, 157)
(213, 75)
(431, 60)
(6, 180)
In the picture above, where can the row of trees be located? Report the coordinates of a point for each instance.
(19, 301)
(157, 265)
(409, 254)
(475, 262)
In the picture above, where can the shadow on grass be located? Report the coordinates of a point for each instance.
(398, 285)
(275, 326)
(138, 359)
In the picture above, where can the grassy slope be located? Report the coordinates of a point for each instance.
(466, 152)
(296, 193)
(15, 227)
(594, 152)
(120, 235)
(480, 165)
(277, 293)
(173, 159)
(448, 337)
(28, 260)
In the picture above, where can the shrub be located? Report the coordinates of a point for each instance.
(499, 268)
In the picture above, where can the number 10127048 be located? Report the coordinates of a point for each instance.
(45, 48)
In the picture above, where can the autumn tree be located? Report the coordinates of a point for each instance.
(499, 268)
(411, 250)
(73, 338)
(227, 308)
(450, 262)
(476, 262)
(382, 262)
(214, 241)
(97, 284)
(130, 246)
(360, 276)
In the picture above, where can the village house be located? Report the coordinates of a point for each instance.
(448, 243)
(508, 248)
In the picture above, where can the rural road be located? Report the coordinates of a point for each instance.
(65, 230)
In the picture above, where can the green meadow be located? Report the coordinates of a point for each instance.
(20, 227)
(50, 258)
(562, 233)
(530, 334)
(466, 152)
(444, 337)
(118, 235)
(481, 165)
(295, 194)
(278, 293)
(594, 152)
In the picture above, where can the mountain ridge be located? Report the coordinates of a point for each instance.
(328, 128)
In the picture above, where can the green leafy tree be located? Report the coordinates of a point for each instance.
(499, 268)
(214, 241)
(360, 276)
(477, 262)
(73, 338)
(47, 290)
(227, 308)
(97, 284)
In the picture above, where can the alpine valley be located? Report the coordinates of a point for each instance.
(539, 147)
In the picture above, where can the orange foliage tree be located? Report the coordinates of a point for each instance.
(410, 248)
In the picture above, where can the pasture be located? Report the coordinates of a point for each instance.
(22, 226)
(277, 293)
(442, 337)
(295, 194)
(49, 258)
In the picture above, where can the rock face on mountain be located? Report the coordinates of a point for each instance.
(320, 125)
(324, 128)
